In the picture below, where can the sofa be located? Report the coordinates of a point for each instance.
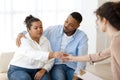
(5, 58)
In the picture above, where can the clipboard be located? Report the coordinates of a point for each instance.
(85, 75)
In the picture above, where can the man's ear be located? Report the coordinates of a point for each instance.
(78, 25)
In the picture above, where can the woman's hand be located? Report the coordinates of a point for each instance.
(68, 57)
(55, 55)
(39, 74)
(58, 54)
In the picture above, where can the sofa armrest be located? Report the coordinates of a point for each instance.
(5, 58)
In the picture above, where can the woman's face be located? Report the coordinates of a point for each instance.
(36, 30)
(101, 23)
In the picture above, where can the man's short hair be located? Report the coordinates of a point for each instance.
(77, 16)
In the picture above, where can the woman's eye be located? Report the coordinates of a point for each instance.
(35, 28)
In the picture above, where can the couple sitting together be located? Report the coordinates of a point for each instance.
(37, 50)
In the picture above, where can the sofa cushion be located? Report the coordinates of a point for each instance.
(5, 58)
(3, 76)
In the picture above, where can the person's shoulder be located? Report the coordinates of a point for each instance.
(80, 32)
(115, 42)
(81, 35)
(27, 38)
(56, 26)
(53, 27)
(116, 37)
(43, 39)
(25, 41)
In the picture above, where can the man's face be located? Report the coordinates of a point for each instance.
(70, 24)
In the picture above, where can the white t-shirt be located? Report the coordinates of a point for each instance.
(65, 40)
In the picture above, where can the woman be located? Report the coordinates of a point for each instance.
(108, 20)
(33, 59)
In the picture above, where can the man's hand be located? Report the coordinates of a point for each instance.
(40, 74)
(18, 39)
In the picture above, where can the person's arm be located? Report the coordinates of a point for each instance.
(28, 50)
(92, 58)
(100, 56)
(71, 58)
(40, 74)
(48, 65)
(18, 39)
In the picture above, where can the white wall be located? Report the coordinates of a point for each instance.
(88, 25)
(12, 24)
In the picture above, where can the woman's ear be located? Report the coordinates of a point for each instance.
(104, 20)
(27, 29)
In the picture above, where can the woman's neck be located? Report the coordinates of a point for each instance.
(35, 38)
(111, 31)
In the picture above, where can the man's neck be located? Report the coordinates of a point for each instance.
(70, 33)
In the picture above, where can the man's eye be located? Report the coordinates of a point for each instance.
(66, 21)
(72, 25)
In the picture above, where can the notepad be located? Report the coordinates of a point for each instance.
(85, 75)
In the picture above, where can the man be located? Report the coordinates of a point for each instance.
(69, 39)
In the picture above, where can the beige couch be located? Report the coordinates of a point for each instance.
(5, 58)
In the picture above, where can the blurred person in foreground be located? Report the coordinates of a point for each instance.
(108, 20)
